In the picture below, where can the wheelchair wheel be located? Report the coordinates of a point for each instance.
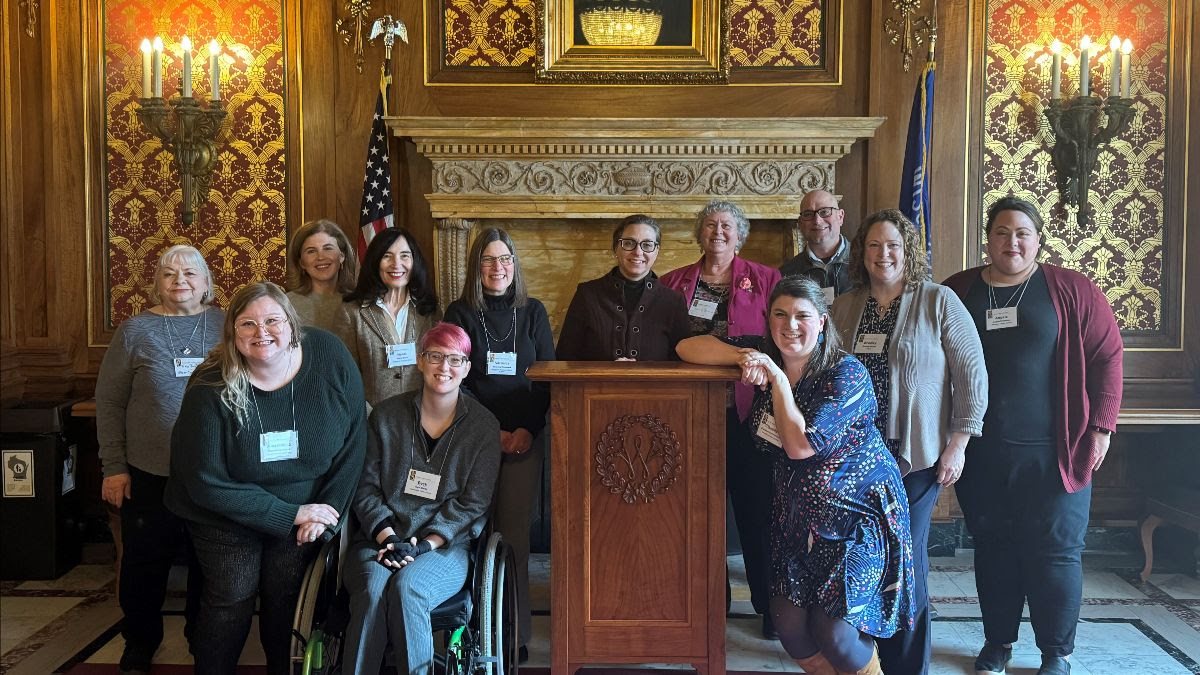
(497, 609)
(308, 645)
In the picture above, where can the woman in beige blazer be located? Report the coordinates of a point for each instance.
(926, 363)
(386, 314)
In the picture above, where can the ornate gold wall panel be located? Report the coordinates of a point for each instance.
(241, 230)
(488, 33)
(777, 34)
(1122, 249)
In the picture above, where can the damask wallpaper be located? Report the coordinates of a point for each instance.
(1122, 248)
(764, 34)
(241, 229)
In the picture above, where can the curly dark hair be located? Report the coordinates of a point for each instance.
(916, 264)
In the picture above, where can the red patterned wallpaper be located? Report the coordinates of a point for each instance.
(241, 229)
(1122, 249)
(764, 34)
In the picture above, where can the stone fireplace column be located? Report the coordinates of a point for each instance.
(451, 248)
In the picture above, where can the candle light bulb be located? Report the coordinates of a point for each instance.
(158, 44)
(1127, 46)
(1115, 43)
(1085, 43)
(147, 70)
(214, 48)
(156, 67)
(1056, 48)
(186, 43)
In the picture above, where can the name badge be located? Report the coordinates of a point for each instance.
(422, 484)
(1005, 317)
(705, 309)
(501, 363)
(768, 431)
(401, 355)
(274, 446)
(185, 366)
(870, 343)
(829, 294)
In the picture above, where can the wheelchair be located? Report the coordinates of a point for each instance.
(479, 623)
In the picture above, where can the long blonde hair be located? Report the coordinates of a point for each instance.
(225, 356)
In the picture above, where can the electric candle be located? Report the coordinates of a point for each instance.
(214, 70)
(1085, 67)
(1055, 70)
(158, 50)
(147, 69)
(1126, 48)
(186, 44)
(1114, 83)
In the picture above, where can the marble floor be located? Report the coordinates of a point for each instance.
(1127, 627)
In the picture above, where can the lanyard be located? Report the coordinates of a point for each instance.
(187, 346)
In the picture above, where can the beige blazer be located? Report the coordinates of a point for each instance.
(366, 328)
(937, 381)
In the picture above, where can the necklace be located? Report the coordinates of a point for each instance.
(186, 350)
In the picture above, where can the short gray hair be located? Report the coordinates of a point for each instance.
(188, 255)
(720, 206)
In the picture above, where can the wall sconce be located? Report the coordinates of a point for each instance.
(191, 131)
(1076, 123)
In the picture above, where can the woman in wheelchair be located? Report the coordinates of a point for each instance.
(432, 459)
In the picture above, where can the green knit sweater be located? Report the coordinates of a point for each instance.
(217, 477)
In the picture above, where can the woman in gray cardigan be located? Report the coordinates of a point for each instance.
(432, 460)
(926, 362)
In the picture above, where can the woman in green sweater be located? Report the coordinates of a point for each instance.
(265, 455)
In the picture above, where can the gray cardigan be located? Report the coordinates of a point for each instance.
(366, 329)
(467, 457)
(938, 379)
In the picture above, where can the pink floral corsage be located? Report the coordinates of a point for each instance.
(746, 284)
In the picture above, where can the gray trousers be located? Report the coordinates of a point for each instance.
(395, 605)
(518, 487)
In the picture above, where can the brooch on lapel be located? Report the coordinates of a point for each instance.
(746, 284)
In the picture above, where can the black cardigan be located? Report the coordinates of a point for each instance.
(515, 401)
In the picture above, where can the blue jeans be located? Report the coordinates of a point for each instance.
(239, 567)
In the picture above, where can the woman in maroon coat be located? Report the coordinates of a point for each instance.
(625, 315)
(1053, 354)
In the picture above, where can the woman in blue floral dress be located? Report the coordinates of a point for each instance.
(841, 553)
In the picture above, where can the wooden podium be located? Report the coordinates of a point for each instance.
(638, 526)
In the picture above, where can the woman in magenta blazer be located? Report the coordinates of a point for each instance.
(727, 297)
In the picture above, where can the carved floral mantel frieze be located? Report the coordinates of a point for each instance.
(555, 168)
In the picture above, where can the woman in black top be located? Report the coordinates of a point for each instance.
(626, 315)
(509, 331)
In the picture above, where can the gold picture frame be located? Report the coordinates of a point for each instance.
(562, 60)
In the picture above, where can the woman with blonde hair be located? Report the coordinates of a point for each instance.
(322, 267)
(926, 363)
(138, 393)
(265, 456)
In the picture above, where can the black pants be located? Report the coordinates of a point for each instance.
(909, 651)
(238, 568)
(750, 480)
(151, 536)
(1028, 534)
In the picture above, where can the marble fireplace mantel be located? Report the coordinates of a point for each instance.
(578, 167)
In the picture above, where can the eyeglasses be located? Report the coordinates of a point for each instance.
(629, 244)
(273, 324)
(436, 358)
(493, 260)
(824, 212)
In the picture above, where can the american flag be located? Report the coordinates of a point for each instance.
(376, 212)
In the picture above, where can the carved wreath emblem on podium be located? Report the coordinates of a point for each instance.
(630, 469)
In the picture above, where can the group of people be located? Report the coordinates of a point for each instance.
(246, 437)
